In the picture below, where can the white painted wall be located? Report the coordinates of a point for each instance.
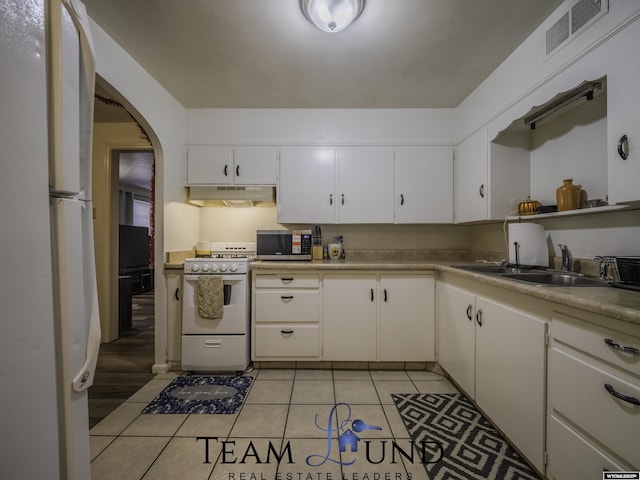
(573, 145)
(527, 78)
(163, 118)
(320, 126)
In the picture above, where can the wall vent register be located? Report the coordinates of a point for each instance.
(582, 14)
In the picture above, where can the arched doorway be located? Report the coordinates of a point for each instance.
(123, 191)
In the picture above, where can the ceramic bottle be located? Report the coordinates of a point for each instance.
(568, 195)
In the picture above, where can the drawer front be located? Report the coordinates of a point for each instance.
(213, 353)
(287, 281)
(287, 306)
(287, 341)
(572, 457)
(577, 390)
(611, 346)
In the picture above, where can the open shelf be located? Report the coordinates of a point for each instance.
(569, 213)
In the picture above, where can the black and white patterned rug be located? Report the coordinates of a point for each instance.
(219, 394)
(459, 442)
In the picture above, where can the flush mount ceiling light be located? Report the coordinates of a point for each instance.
(332, 16)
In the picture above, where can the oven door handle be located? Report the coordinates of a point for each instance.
(225, 278)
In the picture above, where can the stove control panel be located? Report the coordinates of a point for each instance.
(203, 266)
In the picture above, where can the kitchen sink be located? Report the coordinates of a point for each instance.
(501, 269)
(537, 275)
(557, 279)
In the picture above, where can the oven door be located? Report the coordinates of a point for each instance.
(235, 318)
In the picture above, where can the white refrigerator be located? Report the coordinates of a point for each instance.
(49, 327)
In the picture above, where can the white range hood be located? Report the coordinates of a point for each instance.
(248, 196)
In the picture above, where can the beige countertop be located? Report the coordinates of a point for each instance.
(174, 266)
(614, 302)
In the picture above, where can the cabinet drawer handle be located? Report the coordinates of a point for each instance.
(286, 332)
(469, 316)
(372, 294)
(286, 279)
(479, 317)
(286, 297)
(481, 191)
(624, 398)
(622, 348)
(623, 147)
(176, 294)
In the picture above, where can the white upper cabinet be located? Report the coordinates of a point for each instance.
(307, 184)
(322, 185)
(623, 110)
(490, 179)
(470, 187)
(255, 165)
(225, 165)
(423, 185)
(209, 165)
(365, 186)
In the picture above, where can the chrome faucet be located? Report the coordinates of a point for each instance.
(603, 266)
(566, 258)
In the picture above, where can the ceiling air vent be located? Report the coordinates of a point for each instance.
(558, 33)
(582, 14)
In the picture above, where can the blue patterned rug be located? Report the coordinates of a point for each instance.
(202, 394)
(459, 442)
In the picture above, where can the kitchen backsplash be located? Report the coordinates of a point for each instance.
(587, 235)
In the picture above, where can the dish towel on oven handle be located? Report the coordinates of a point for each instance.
(210, 297)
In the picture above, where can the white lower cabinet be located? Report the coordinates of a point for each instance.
(286, 315)
(496, 353)
(378, 317)
(174, 279)
(593, 397)
(345, 316)
(510, 374)
(407, 318)
(456, 347)
(349, 317)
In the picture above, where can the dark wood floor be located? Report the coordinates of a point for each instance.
(124, 365)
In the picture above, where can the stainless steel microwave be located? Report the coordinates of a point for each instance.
(283, 244)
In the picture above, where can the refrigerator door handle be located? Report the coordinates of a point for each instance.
(84, 378)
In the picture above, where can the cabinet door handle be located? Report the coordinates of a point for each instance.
(286, 332)
(226, 170)
(342, 199)
(401, 199)
(479, 317)
(176, 294)
(623, 147)
(624, 398)
(372, 294)
(622, 348)
(286, 297)
(331, 199)
(385, 295)
(481, 191)
(469, 307)
(237, 170)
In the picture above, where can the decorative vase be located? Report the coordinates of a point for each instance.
(568, 195)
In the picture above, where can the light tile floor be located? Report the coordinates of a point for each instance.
(281, 432)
